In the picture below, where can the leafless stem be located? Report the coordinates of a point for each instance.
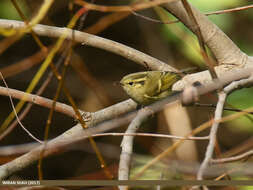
(235, 85)
(225, 108)
(94, 41)
(76, 133)
(127, 145)
(207, 14)
(16, 115)
(213, 133)
(29, 106)
(233, 158)
(223, 48)
(151, 135)
(225, 51)
(20, 149)
(199, 35)
(218, 113)
(230, 10)
(35, 99)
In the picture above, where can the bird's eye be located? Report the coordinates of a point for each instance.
(131, 83)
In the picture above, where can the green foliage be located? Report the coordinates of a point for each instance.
(241, 99)
(8, 11)
(155, 172)
(224, 21)
(184, 40)
(243, 187)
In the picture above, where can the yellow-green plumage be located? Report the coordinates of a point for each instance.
(147, 87)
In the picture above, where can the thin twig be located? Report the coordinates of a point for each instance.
(39, 100)
(218, 113)
(151, 135)
(94, 41)
(214, 106)
(209, 63)
(233, 158)
(207, 14)
(127, 145)
(76, 133)
(33, 145)
(154, 20)
(15, 113)
(123, 8)
(213, 133)
(225, 51)
(51, 112)
(29, 105)
(230, 10)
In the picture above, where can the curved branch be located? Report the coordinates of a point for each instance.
(76, 133)
(232, 158)
(127, 145)
(39, 100)
(224, 49)
(94, 41)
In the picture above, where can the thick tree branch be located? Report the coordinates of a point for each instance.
(76, 133)
(225, 51)
(223, 48)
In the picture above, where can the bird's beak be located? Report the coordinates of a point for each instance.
(121, 83)
(116, 83)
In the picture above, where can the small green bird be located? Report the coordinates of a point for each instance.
(150, 86)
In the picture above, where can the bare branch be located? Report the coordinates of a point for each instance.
(39, 100)
(151, 135)
(225, 51)
(26, 110)
(126, 8)
(94, 41)
(209, 63)
(76, 133)
(218, 113)
(127, 145)
(213, 133)
(15, 113)
(223, 48)
(230, 10)
(233, 158)
(207, 14)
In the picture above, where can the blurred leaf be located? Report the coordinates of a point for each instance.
(245, 46)
(184, 39)
(8, 11)
(179, 34)
(241, 99)
(224, 20)
(243, 187)
(154, 172)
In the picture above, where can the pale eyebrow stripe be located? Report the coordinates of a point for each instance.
(140, 79)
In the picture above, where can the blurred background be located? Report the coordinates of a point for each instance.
(91, 81)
